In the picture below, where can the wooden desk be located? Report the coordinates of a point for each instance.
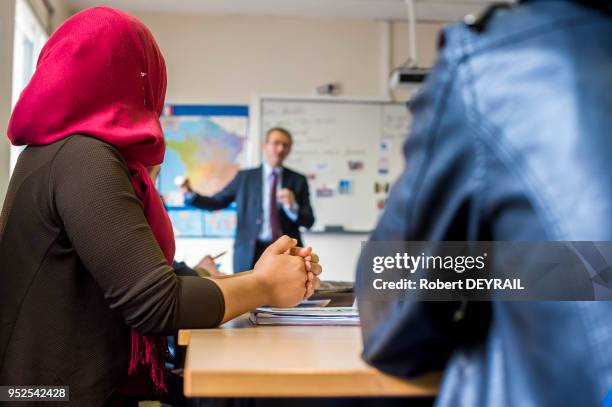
(242, 360)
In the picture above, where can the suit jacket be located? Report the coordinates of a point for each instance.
(510, 140)
(246, 189)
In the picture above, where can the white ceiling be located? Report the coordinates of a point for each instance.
(426, 10)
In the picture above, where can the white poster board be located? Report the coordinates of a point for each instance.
(351, 151)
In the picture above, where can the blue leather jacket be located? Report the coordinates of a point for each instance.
(511, 140)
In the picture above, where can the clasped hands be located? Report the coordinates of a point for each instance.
(288, 273)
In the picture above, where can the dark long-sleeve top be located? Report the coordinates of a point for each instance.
(79, 267)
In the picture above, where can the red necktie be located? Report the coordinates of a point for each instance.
(274, 219)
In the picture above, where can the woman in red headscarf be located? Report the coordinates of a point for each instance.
(87, 293)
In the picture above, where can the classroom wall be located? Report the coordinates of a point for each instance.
(7, 29)
(427, 43)
(233, 58)
(50, 19)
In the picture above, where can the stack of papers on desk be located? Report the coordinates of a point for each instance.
(305, 316)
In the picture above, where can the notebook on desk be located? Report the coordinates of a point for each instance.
(305, 316)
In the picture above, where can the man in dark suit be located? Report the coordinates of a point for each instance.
(272, 200)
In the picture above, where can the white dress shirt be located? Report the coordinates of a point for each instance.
(265, 234)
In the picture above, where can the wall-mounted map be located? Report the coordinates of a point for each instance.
(205, 143)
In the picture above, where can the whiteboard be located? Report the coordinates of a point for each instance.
(350, 151)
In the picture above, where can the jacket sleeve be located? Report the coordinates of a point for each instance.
(433, 199)
(220, 200)
(183, 270)
(305, 214)
(104, 220)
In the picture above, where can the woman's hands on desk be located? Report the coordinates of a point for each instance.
(313, 268)
(287, 273)
(284, 275)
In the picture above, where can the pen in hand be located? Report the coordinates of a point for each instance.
(219, 255)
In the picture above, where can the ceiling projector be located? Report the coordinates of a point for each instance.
(406, 76)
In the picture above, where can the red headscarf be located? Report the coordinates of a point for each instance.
(101, 74)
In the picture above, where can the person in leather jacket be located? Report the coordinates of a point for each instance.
(511, 140)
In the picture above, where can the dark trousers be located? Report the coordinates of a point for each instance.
(260, 247)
